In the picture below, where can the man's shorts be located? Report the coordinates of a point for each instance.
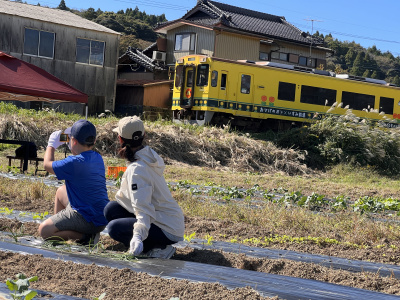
(69, 219)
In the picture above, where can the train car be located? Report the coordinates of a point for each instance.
(209, 90)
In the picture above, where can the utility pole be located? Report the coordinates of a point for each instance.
(312, 32)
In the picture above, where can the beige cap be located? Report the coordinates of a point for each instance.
(128, 126)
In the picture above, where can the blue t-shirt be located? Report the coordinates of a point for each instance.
(84, 176)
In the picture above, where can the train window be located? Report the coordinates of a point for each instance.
(223, 81)
(286, 91)
(214, 78)
(386, 105)
(202, 75)
(245, 84)
(316, 95)
(358, 101)
(178, 76)
(189, 79)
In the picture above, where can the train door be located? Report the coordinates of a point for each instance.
(244, 95)
(188, 83)
(223, 89)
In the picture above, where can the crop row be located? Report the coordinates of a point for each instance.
(315, 201)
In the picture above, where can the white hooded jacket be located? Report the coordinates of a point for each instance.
(145, 193)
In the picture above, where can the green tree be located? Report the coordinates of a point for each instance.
(90, 14)
(358, 65)
(350, 57)
(367, 73)
(62, 5)
(375, 75)
(396, 80)
(373, 50)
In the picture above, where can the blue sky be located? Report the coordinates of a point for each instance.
(366, 22)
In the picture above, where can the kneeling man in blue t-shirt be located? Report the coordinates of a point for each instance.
(79, 204)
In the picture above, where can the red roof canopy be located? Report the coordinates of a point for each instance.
(23, 81)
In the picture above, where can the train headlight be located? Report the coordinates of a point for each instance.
(203, 59)
(180, 61)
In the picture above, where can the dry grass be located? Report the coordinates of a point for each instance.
(198, 146)
(275, 219)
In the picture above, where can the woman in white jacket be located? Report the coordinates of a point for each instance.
(144, 216)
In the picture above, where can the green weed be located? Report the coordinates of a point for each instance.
(40, 216)
(20, 287)
(100, 297)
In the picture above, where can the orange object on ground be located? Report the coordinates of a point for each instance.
(114, 171)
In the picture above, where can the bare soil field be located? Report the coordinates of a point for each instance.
(86, 281)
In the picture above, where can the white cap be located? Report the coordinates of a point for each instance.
(128, 126)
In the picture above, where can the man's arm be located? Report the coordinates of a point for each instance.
(48, 159)
(52, 145)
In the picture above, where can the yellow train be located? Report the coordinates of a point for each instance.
(209, 90)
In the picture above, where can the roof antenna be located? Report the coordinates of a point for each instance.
(312, 29)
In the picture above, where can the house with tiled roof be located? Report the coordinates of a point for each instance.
(226, 31)
(142, 85)
(80, 52)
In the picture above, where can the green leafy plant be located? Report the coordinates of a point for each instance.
(190, 237)
(6, 210)
(17, 233)
(119, 179)
(209, 239)
(20, 287)
(40, 216)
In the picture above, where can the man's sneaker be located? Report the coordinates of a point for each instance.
(161, 253)
(90, 239)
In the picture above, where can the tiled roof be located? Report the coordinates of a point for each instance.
(137, 56)
(50, 15)
(211, 13)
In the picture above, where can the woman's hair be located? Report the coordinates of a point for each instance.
(130, 146)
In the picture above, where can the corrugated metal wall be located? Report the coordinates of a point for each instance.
(97, 81)
(204, 43)
(236, 47)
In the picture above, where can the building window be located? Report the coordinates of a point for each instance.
(358, 101)
(283, 56)
(274, 55)
(286, 91)
(264, 56)
(293, 58)
(185, 42)
(90, 52)
(317, 95)
(311, 62)
(39, 43)
(302, 61)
